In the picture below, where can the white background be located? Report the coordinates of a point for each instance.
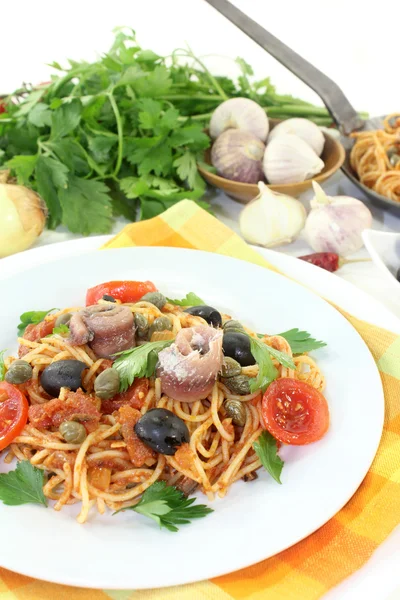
(354, 42)
(357, 46)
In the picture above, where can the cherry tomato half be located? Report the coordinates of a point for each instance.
(294, 412)
(13, 413)
(126, 291)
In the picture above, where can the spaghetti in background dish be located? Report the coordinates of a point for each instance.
(133, 390)
(375, 157)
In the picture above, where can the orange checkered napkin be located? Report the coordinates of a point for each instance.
(313, 566)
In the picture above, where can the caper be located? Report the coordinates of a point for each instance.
(142, 325)
(160, 324)
(394, 159)
(237, 411)
(239, 384)
(156, 298)
(106, 384)
(19, 372)
(72, 432)
(230, 367)
(233, 325)
(63, 319)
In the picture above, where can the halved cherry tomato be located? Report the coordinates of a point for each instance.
(126, 291)
(13, 413)
(2, 107)
(294, 412)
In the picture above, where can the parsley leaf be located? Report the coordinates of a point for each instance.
(301, 341)
(266, 449)
(23, 167)
(138, 362)
(2, 365)
(168, 506)
(189, 300)
(96, 218)
(61, 329)
(186, 168)
(281, 357)
(40, 115)
(49, 174)
(31, 317)
(22, 486)
(266, 370)
(65, 119)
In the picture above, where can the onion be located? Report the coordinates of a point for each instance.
(240, 113)
(22, 218)
(237, 155)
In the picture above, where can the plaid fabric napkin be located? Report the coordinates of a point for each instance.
(313, 566)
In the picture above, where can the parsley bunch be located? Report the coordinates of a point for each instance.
(122, 135)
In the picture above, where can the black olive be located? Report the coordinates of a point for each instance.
(108, 298)
(208, 313)
(62, 373)
(237, 346)
(162, 431)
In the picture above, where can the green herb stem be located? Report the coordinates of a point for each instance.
(210, 98)
(210, 77)
(298, 110)
(202, 117)
(120, 131)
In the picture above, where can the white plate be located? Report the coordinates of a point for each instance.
(122, 551)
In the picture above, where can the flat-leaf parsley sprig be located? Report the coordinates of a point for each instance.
(138, 362)
(168, 506)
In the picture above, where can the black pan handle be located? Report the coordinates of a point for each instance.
(332, 96)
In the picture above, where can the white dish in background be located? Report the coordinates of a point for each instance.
(124, 549)
(384, 249)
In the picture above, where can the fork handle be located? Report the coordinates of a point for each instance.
(330, 93)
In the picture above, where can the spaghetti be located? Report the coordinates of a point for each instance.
(375, 157)
(99, 472)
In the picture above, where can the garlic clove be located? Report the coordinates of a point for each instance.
(289, 159)
(237, 155)
(271, 218)
(240, 113)
(308, 131)
(335, 223)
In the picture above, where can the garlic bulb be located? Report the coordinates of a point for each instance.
(237, 155)
(335, 223)
(304, 129)
(271, 219)
(289, 159)
(22, 218)
(240, 113)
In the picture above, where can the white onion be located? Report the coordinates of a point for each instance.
(22, 218)
(335, 223)
(308, 131)
(240, 113)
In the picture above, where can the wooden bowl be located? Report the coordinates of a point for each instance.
(333, 156)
